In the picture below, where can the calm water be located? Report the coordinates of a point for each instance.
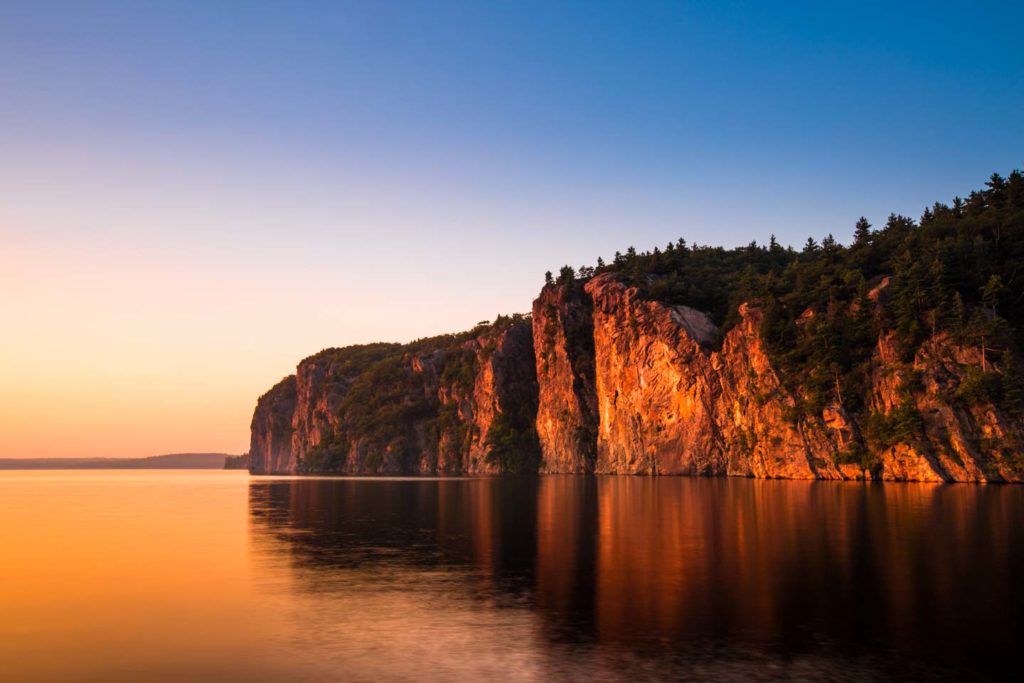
(213, 576)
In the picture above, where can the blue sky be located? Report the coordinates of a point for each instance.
(289, 176)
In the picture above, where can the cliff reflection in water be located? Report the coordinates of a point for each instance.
(622, 576)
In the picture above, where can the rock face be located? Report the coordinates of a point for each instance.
(603, 380)
(270, 448)
(457, 404)
(563, 336)
(668, 404)
(954, 440)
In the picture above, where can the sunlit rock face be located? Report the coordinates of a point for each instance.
(563, 336)
(668, 404)
(758, 418)
(956, 440)
(654, 385)
(603, 380)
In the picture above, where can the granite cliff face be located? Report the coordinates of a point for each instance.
(563, 336)
(669, 404)
(899, 357)
(674, 396)
(270, 447)
(604, 380)
(956, 438)
(455, 404)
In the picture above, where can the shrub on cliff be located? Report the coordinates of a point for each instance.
(512, 442)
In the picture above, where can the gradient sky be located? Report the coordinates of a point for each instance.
(194, 196)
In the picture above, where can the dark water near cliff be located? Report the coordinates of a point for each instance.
(201, 576)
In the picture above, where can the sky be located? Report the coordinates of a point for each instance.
(194, 196)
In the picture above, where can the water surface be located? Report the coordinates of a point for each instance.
(213, 576)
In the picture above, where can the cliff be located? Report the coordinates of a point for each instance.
(953, 436)
(669, 404)
(563, 336)
(452, 404)
(270, 445)
(897, 358)
(602, 379)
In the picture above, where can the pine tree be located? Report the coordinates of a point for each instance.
(938, 294)
(862, 232)
(959, 318)
(1012, 385)
(991, 293)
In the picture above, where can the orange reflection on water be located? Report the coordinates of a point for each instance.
(123, 571)
(168, 576)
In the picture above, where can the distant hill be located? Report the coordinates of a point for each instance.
(173, 461)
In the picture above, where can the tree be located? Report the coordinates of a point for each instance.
(566, 275)
(600, 263)
(1013, 385)
(861, 232)
(991, 292)
(995, 195)
(549, 278)
(937, 293)
(810, 246)
(959, 320)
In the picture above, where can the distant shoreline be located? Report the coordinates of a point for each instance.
(173, 461)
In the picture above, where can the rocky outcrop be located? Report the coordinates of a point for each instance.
(654, 385)
(454, 404)
(603, 379)
(669, 404)
(563, 336)
(487, 407)
(761, 426)
(270, 447)
(956, 436)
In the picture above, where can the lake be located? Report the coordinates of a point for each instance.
(216, 576)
